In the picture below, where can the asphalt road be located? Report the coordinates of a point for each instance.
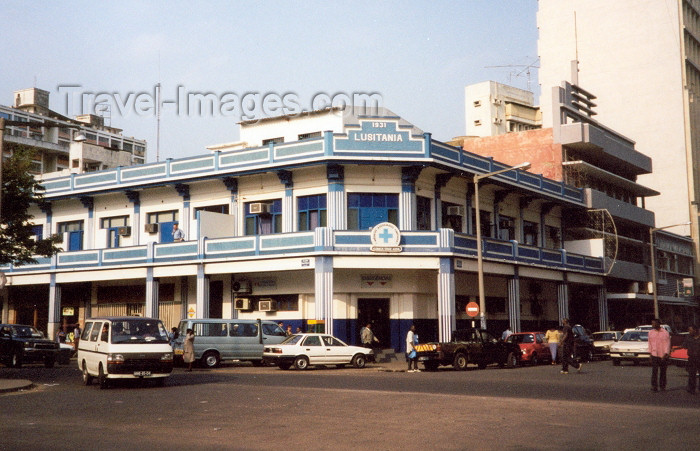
(242, 407)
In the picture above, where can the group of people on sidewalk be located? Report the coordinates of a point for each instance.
(660, 351)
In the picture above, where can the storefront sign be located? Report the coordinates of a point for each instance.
(190, 312)
(68, 311)
(385, 238)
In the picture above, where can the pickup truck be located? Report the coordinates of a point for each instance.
(468, 346)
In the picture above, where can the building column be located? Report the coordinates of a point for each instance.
(135, 199)
(183, 190)
(447, 319)
(287, 201)
(323, 291)
(46, 209)
(603, 309)
(54, 308)
(336, 202)
(232, 185)
(89, 233)
(407, 198)
(563, 299)
(202, 307)
(514, 302)
(151, 294)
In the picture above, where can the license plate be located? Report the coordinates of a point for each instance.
(422, 359)
(179, 351)
(142, 373)
(628, 354)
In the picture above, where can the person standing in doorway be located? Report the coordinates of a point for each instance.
(552, 337)
(178, 235)
(188, 349)
(567, 352)
(692, 344)
(411, 356)
(367, 336)
(659, 350)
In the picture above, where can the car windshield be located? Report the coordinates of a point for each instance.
(598, 336)
(26, 332)
(292, 340)
(521, 338)
(139, 331)
(636, 335)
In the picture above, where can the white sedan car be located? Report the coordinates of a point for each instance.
(632, 346)
(302, 350)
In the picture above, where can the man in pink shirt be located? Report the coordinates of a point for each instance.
(659, 349)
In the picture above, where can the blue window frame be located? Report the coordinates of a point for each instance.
(74, 229)
(264, 223)
(423, 215)
(366, 210)
(38, 232)
(311, 212)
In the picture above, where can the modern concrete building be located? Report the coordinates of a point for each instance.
(339, 216)
(65, 145)
(494, 108)
(642, 59)
(581, 151)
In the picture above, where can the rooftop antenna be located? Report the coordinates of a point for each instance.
(158, 112)
(519, 70)
(574, 63)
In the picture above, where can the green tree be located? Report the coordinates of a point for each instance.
(19, 191)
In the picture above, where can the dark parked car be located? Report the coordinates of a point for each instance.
(24, 344)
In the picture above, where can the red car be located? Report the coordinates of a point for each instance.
(679, 354)
(533, 346)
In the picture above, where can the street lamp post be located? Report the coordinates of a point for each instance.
(653, 263)
(479, 252)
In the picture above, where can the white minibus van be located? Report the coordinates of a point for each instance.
(124, 348)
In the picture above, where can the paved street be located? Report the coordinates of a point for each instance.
(242, 407)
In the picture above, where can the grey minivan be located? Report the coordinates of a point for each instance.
(217, 339)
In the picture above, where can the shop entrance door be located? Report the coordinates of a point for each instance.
(375, 312)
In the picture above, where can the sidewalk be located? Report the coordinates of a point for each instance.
(10, 385)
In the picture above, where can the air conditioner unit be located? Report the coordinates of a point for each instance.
(259, 208)
(455, 210)
(124, 231)
(267, 305)
(243, 304)
(497, 120)
(151, 228)
(241, 286)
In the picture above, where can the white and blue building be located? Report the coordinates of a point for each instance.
(332, 216)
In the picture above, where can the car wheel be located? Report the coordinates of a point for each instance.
(460, 361)
(533, 360)
(359, 361)
(87, 379)
(49, 362)
(616, 362)
(284, 366)
(211, 359)
(301, 363)
(16, 360)
(511, 360)
(102, 378)
(431, 366)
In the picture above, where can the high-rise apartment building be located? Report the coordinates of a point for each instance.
(642, 59)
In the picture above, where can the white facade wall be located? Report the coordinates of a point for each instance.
(254, 134)
(629, 54)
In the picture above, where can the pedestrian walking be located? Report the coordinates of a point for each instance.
(188, 349)
(552, 337)
(659, 350)
(692, 344)
(367, 336)
(411, 357)
(567, 342)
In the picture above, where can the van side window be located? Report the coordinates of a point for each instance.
(244, 330)
(273, 329)
(95, 331)
(86, 331)
(104, 335)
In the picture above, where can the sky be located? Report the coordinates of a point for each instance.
(259, 59)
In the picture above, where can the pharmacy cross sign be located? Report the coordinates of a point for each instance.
(385, 237)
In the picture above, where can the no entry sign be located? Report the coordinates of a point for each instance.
(472, 309)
